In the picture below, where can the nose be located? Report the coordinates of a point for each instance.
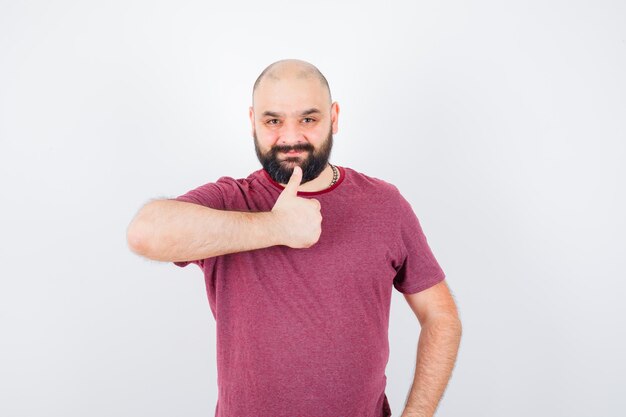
(291, 134)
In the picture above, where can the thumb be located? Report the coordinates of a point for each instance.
(294, 181)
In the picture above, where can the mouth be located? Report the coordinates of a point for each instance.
(293, 152)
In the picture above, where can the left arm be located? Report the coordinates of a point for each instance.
(437, 349)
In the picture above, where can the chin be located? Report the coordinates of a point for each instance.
(293, 161)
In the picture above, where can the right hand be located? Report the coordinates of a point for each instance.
(299, 220)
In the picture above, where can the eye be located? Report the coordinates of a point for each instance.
(310, 120)
(271, 121)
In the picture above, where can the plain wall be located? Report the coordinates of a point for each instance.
(503, 124)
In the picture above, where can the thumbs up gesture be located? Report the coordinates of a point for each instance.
(298, 220)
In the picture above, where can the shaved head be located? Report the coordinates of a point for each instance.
(291, 68)
(292, 111)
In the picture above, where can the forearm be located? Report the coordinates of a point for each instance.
(170, 230)
(436, 354)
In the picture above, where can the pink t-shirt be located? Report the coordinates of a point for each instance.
(304, 332)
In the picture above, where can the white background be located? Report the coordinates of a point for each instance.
(503, 123)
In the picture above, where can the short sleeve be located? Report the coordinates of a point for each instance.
(419, 269)
(208, 195)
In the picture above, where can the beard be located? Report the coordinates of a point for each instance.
(312, 165)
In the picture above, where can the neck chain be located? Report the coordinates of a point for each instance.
(335, 174)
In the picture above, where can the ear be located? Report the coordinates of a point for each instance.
(251, 114)
(334, 116)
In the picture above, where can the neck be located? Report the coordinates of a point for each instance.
(320, 183)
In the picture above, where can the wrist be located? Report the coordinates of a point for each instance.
(270, 228)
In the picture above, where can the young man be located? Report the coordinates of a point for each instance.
(299, 260)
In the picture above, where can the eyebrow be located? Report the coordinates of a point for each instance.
(304, 113)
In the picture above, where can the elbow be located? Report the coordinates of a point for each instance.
(448, 323)
(459, 327)
(138, 233)
(453, 322)
(135, 238)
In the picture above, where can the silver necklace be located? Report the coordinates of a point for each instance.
(335, 175)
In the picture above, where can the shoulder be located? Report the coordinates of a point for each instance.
(369, 181)
(233, 186)
(371, 184)
(227, 183)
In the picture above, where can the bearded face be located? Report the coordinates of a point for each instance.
(279, 164)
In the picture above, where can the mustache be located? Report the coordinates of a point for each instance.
(300, 147)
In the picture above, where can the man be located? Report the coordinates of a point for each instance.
(299, 260)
